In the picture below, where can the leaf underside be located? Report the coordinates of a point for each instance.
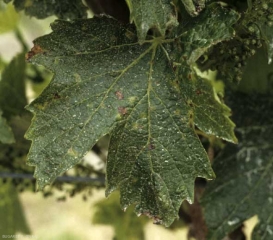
(244, 186)
(146, 96)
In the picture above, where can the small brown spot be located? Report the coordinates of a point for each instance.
(119, 95)
(130, 35)
(56, 96)
(35, 50)
(122, 110)
(190, 77)
(151, 146)
(198, 92)
(156, 219)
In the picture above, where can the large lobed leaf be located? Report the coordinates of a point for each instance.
(66, 9)
(243, 187)
(146, 96)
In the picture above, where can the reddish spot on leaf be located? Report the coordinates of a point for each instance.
(56, 96)
(122, 110)
(198, 92)
(119, 95)
(151, 146)
(156, 219)
(35, 50)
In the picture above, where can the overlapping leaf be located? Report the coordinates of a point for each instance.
(145, 96)
(159, 15)
(244, 186)
(66, 9)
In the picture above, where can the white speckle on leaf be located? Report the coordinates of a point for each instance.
(233, 222)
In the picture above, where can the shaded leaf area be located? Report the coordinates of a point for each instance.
(259, 21)
(12, 87)
(158, 15)
(243, 187)
(115, 8)
(258, 75)
(12, 218)
(13, 155)
(6, 135)
(145, 96)
(12, 96)
(14, 148)
(65, 9)
(126, 224)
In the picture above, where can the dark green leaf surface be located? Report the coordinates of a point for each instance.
(66, 9)
(6, 135)
(266, 27)
(243, 187)
(146, 96)
(12, 87)
(158, 14)
(267, 32)
(207, 30)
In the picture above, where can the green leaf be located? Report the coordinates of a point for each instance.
(66, 9)
(146, 15)
(207, 30)
(12, 218)
(243, 187)
(146, 96)
(12, 87)
(6, 135)
(267, 33)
